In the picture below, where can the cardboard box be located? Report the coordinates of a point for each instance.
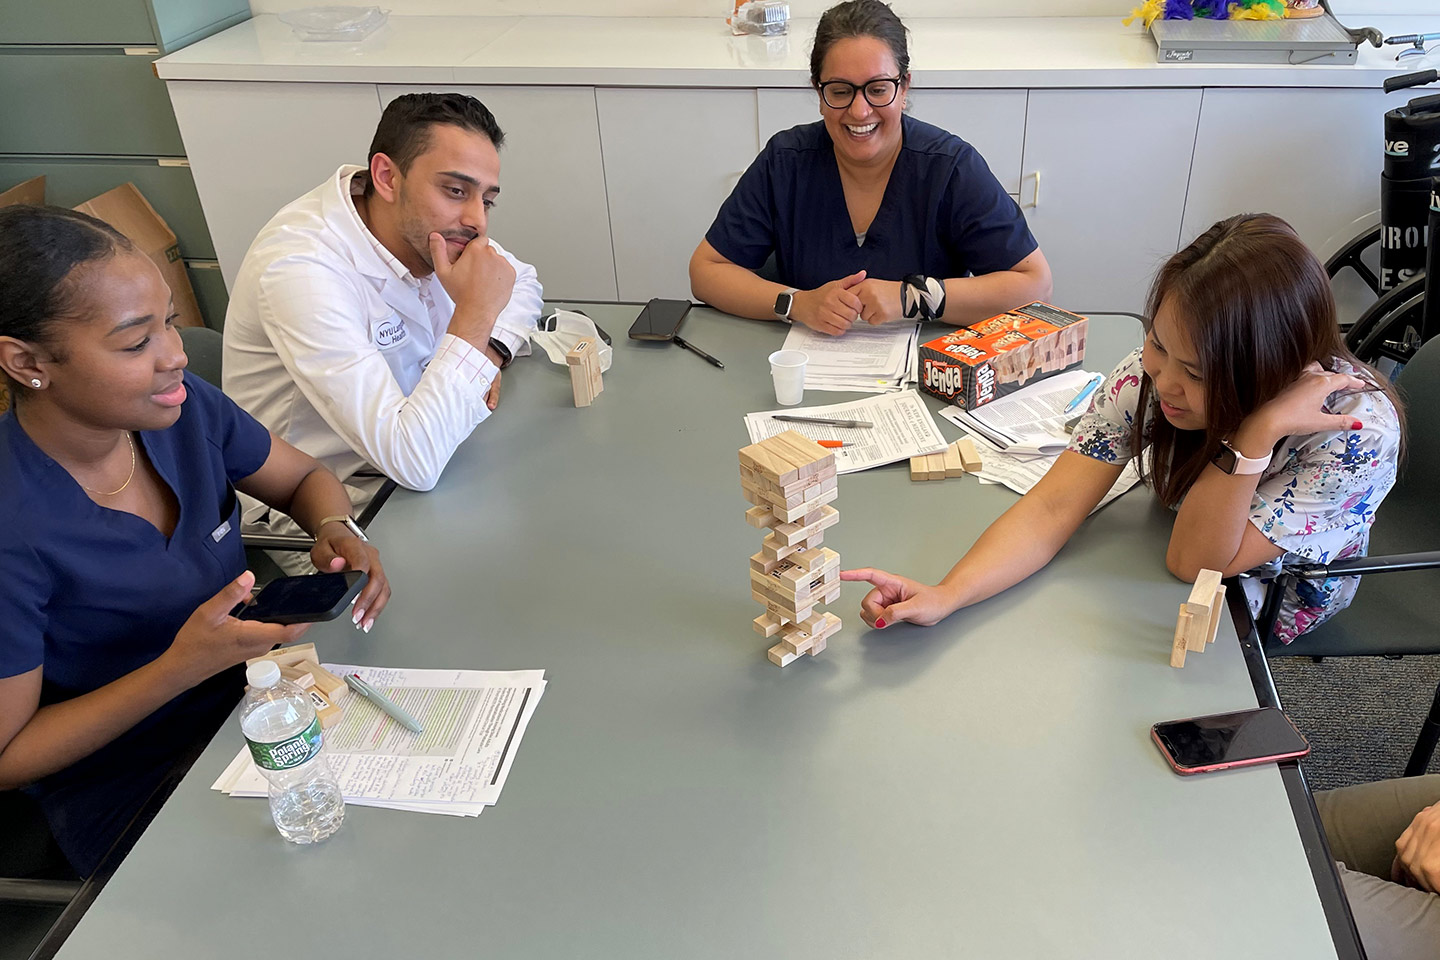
(973, 365)
(31, 191)
(127, 210)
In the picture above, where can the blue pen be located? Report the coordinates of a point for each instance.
(387, 705)
(1085, 392)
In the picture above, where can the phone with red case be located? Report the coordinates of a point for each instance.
(1225, 740)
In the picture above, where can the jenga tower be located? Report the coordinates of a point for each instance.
(790, 479)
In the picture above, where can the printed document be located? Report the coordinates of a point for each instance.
(1030, 420)
(903, 428)
(864, 359)
(473, 723)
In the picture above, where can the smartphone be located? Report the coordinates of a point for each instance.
(660, 320)
(312, 599)
(1225, 740)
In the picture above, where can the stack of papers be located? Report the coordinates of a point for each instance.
(1021, 434)
(474, 721)
(901, 428)
(865, 359)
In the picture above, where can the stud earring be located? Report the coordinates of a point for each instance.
(35, 382)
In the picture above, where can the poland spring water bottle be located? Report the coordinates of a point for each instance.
(284, 737)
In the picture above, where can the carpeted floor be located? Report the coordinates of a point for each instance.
(1360, 714)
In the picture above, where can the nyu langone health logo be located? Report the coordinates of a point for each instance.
(390, 332)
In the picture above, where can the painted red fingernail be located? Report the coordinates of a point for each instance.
(880, 622)
(1356, 425)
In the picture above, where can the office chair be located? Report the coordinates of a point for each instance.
(1397, 614)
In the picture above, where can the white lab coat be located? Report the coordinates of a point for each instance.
(338, 349)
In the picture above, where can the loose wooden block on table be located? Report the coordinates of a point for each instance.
(954, 466)
(1202, 595)
(919, 468)
(935, 466)
(288, 656)
(298, 675)
(326, 682)
(329, 713)
(584, 367)
(1181, 642)
(969, 455)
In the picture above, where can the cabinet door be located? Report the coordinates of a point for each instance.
(1112, 168)
(551, 212)
(992, 121)
(671, 158)
(1311, 156)
(254, 147)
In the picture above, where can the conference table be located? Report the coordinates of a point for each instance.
(986, 787)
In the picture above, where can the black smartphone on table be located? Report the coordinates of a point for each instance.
(660, 320)
(1225, 740)
(312, 599)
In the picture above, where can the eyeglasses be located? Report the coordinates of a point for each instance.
(880, 92)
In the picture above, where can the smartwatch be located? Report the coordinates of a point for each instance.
(1236, 464)
(505, 355)
(784, 303)
(349, 521)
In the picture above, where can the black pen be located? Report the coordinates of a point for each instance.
(698, 352)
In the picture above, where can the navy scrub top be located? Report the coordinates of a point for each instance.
(93, 594)
(943, 214)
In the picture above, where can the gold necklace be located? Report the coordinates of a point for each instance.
(131, 437)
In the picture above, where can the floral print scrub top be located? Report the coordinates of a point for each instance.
(1316, 500)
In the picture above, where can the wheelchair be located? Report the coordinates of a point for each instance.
(1401, 318)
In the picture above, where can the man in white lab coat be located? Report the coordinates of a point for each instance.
(371, 317)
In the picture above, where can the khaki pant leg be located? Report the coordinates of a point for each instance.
(1395, 922)
(1363, 822)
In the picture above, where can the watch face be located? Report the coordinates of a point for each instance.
(1225, 459)
(782, 304)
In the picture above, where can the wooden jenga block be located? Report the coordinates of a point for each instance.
(770, 462)
(920, 468)
(766, 625)
(820, 519)
(780, 656)
(760, 563)
(298, 675)
(791, 514)
(954, 466)
(818, 647)
(1217, 608)
(1182, 629)
(810, 559)
(286, 656)
(761, 518)
(801, 450)
(328, 712)
(1202, 595)
(582, 385)
(935, 466)
(326, 682)
(969, 455)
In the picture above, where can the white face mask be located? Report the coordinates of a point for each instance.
(558, 333)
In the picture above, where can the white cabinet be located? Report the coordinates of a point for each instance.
(671, 158)
(992, 121)
(551, 211)
(254, 147)
(1112, 167)
(1311, 156)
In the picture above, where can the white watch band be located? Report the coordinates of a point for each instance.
(1247, 466)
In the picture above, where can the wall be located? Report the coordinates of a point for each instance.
(801, 8)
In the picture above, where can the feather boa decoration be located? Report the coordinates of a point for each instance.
(1258, 10)
(1211, 9)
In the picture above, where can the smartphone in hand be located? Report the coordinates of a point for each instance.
(312, 599)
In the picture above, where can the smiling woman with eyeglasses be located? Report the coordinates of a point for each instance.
(869, 215)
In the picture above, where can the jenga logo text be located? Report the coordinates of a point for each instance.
(943, 378)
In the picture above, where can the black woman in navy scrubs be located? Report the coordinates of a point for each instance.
(870, 215)
(120, 556)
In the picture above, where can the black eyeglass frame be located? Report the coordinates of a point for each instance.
(861, 89)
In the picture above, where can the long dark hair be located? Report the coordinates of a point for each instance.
(1257, 307)
(859, 18)
(39, 249)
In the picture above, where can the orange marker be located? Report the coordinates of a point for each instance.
(832, 444)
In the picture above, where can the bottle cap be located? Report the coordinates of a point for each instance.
(262, 674)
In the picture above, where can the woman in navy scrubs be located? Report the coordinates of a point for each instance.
(120, 557)
(870, 215)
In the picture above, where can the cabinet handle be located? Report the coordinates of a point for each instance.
(1034, 197)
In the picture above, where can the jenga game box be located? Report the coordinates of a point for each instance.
(973, 365)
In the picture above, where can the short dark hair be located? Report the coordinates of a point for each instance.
(40, 247)
(859, 18)
(404, 129)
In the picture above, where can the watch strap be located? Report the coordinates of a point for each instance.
(501, 348)
(1236, 464)
(346, 519)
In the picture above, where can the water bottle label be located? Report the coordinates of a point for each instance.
(287, 754)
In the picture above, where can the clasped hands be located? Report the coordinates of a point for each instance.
(835, 306)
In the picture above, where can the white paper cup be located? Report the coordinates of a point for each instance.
(787, 367)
